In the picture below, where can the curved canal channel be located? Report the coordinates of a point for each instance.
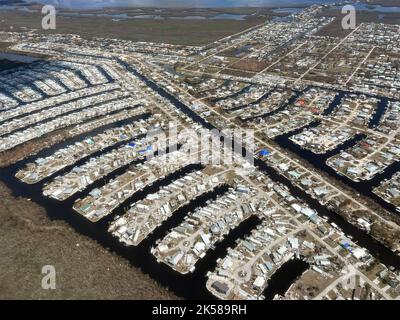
(140, 256)
(377, 249)
(284, 277)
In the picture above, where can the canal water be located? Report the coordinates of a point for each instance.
(375, 248)
(380, 111)
(284, 277)
(8, 65)
(319, 160)
(140, 256)
(335, 103)
(365, 188)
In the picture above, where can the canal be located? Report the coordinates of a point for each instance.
(140, 256)
(284, 277)
(365, 188)
(375, 248)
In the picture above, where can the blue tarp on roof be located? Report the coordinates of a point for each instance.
(148, 149)
(264, 152)
(346, 245)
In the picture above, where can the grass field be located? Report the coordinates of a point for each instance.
(185, 32)
(84, 269)
(335, 28)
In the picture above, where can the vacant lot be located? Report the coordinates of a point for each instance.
(85, 270)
